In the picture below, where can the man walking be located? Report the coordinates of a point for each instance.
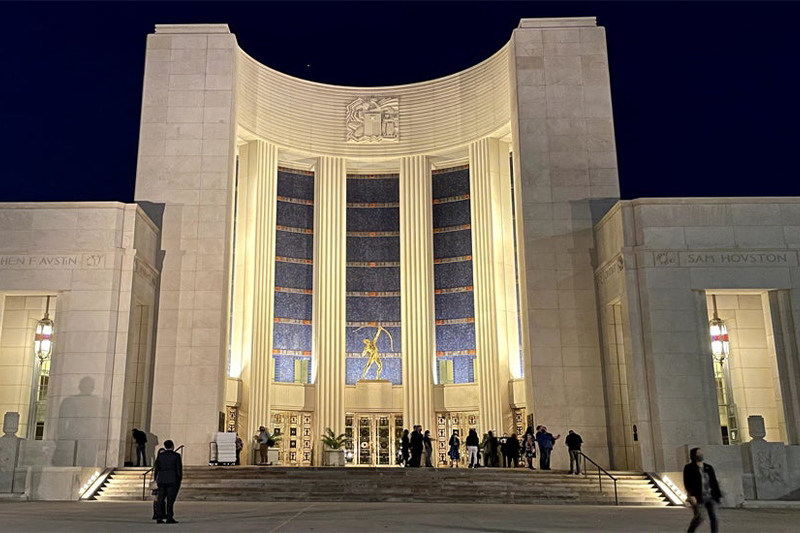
(701, 485)
(545, 441)
(140, 438)
(574, 442)
(168, 471)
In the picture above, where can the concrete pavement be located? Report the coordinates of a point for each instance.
(264, 517)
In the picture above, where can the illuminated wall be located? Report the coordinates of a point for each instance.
(452, 271)
(373, 273)
(294, 280)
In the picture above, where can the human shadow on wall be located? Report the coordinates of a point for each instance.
(150, 448)
(81, 427)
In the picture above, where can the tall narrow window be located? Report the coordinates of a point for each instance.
(43, 349)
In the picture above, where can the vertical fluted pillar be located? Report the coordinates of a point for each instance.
(486, 334)
(262, 168)
(417, 290)
(330, 256)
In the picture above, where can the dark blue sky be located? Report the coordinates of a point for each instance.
(705, 94)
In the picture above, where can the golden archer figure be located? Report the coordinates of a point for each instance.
(371, 351)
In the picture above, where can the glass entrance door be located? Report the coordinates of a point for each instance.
(372, 439)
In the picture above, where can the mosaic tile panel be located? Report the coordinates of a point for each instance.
(450, 182)
(290, 305)
(447, 275)
(451, 214)
(455, 305)
(294, 273)
(366, 249)
(295, 184)
(373, 279)
(295, 215)
(370, 189)
(297, 245)
(291, 337)
(452, 244)
(373, 249)
(376, 219)
(452, 271)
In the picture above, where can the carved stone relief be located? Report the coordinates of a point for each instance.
(372, 120)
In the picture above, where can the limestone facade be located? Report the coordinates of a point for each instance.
(475, 218)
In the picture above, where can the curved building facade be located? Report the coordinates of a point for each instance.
(450, 253)
(305, 222)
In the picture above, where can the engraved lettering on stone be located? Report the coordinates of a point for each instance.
(617, 266)
(93, 260)
(373, 119)
(38, 261)
(776, 258)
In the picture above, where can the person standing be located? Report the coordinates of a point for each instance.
(239, 448)
(490, 450)
(700, 482)
(529, 446)
(427, 448)
(140, 438)
(545, 441)
(503, 441)
(574, 442)
(264, 442)
(472, 448)
(455, 444)
(512, 451)
(405, 446)
(168, 471)
(416, 446)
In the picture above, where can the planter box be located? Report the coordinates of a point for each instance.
(333, 458)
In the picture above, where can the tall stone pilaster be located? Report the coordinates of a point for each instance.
(565, 167)
(483, 170)
(417, 290)
(330, 267)
(185, 171)
(262, 173)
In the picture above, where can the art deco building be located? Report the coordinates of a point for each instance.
(468, 225)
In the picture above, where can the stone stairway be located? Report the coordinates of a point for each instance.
(447, 485)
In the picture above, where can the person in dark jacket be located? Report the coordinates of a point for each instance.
(574, 442)
(512, 451)
(455, 444)
(700, 482)
(545, 441)
(472, 447)
(490, 450)
(168, 471)
(428, 444)
(140, 438)
(416, 446)
(405, 447)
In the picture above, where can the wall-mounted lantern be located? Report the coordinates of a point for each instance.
(43, 339)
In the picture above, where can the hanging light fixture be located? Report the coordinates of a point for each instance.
(720, 347)
(43, 339)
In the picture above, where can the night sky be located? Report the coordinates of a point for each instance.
(705, 95)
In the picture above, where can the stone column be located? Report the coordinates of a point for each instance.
(330, 262)
(262, 174)
(185, 170)
(565, 167)
(417, 290)
(483, 169)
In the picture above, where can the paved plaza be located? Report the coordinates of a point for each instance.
(373, 517)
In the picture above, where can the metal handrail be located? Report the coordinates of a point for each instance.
(144, 476)
(600, 472)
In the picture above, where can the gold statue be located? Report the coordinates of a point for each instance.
(371, 351)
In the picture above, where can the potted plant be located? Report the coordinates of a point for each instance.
(333, 451)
